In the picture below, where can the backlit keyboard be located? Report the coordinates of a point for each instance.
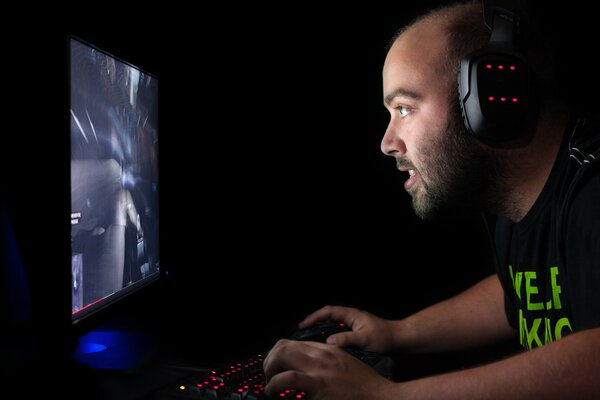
(245, 380)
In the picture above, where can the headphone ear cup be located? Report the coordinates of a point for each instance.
(494, 94)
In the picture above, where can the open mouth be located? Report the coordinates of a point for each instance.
(413, 176)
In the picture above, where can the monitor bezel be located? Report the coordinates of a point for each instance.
(99, 312)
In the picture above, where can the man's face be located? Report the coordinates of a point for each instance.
(446, 168)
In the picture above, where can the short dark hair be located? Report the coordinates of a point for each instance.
(464, 25)
(466, 31)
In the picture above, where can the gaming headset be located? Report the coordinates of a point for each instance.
(494, 82)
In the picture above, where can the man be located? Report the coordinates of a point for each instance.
(545, 291)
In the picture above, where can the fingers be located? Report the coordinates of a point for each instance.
(287, 364)
(288, 380)
(344, 339)
(314, 369)
(311, 319)
(287, 355)
(342, 314)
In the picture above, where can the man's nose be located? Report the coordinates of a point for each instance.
(391, 143)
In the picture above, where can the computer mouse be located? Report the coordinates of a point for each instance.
(320, 331)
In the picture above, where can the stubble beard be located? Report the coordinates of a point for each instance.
(458, 175)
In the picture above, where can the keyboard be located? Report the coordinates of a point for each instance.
(245, 380)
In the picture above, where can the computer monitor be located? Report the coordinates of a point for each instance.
(114, 180)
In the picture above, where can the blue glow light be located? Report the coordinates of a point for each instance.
(113, 349)
(87, 347)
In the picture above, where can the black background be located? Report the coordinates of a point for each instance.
(275, 198)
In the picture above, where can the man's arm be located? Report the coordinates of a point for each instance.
(472, 318)
(565, 369)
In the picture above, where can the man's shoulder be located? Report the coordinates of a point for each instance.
(584, 141)
(586, 194)
(583, 147)
(582, 199)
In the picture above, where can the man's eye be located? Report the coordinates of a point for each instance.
(403, 110)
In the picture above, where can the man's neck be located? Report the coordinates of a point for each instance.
(530, 166)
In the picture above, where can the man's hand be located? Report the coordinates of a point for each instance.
(322, 371)
(368, 331)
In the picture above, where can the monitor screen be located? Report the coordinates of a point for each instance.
(114, 179)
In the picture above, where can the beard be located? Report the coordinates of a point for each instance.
(458, 175)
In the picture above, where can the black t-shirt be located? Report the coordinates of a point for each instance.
(549, 262)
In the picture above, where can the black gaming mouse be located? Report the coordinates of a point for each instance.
(320, 331)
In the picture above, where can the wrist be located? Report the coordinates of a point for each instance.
(402, 334)
(396, 390)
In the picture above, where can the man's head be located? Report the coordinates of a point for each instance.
(447, 168)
